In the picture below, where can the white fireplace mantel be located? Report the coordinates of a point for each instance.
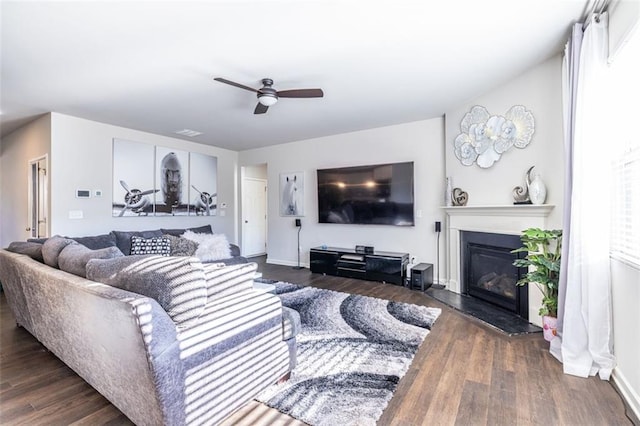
(507, 219)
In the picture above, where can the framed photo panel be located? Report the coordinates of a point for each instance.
(133, 189)
(203, 184)
(171, 182)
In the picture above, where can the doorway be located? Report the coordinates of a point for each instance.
(254, 210)
(38, 197)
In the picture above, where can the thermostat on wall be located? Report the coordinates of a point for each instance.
(83, 193)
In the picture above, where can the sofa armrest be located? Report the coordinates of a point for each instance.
(222, 280)
(235, 250)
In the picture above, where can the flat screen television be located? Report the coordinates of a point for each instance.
(380, 194)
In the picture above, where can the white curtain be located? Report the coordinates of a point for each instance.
(585, 330)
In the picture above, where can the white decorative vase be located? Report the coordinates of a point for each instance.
(537, 190)
(448, 190)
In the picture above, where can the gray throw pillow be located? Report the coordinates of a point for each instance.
(74, 257)
(33, 250)
(95, 242)
(206, 229)
(176, 283)
(181, 246)
(52, 247)
(155, 245)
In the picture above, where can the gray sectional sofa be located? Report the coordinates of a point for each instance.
(169, 340)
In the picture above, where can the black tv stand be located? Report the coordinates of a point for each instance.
(382, 266)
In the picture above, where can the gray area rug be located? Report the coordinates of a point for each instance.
(352, 352)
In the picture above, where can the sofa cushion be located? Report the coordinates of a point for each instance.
(176, 283)
(223, 280)
(52, 247)
(33, 250)
(181, 246)
(96, 242)
(155, 245)
(210, 246)
(123, 238)
(206, 229)
(74, 257)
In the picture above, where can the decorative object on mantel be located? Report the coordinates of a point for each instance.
(537, 188)
(459, 197)
(484, 137)
(521, 193)
(448, 191)
(543, 250)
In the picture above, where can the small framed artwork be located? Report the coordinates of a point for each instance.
(292, 194)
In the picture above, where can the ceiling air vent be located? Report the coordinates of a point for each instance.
(188, 132)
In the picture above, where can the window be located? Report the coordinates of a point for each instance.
(625, 143)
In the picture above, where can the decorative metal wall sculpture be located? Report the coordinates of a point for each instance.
(484, 137)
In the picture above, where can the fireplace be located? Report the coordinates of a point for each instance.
(488, 272)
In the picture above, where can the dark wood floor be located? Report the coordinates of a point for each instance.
(464, 373)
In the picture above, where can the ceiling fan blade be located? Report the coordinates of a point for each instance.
(260, 109)
(301, 93)
(233, 83)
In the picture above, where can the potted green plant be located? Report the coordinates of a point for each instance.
(543, 250)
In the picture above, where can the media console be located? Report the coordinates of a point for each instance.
(382, 266)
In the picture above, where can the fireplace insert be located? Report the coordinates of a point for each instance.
(488, 272)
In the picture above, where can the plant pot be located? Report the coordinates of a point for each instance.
(549, 327)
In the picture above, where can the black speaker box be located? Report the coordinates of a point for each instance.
(421, 276)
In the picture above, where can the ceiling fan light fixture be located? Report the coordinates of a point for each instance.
(267, 99)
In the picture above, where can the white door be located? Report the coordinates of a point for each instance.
(254, 217)
(38, 198)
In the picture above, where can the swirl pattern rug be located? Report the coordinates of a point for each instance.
(352, 352)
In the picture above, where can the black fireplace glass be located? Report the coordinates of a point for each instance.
(488, 271)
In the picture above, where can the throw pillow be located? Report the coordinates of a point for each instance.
(176, 283)
(74, 257)
(160, 245)
(123, 238)
(52, 247)
(211, 247)
(33, 250)
(206, 229)
(181, 246)
(96, 242)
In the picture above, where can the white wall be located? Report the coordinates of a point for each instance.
(420, 142)
(18, 148)
(625, 286)
(81, 158)
(540, 91)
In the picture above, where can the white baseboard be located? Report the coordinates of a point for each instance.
(285, 262)
(630, 396)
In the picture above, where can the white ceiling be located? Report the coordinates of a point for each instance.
(149, 65)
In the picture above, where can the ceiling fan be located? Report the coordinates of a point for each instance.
(268, 96)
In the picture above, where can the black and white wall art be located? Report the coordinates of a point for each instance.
(292, 194)
(133, 189)
(161, 181)
(203, 185)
